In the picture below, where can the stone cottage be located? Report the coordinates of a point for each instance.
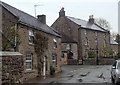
(114, 47)
(81, 39)
(38, 43)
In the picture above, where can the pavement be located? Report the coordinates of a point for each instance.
(81, 74)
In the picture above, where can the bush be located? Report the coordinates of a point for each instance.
(91, 54)
(52, 70)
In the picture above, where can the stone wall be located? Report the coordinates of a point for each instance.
(105, 61)
(101, 61)
(12, 68)
(72, 61)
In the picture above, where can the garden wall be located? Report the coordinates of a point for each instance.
(12, 68)
(101, 61)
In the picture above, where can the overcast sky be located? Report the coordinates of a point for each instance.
(107, 9)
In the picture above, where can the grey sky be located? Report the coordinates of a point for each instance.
(107, 9)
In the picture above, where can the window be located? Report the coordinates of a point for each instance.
(55, 43)
(29, 62)
(31, 37)
(118, 66)
(54, 59)
(68, 46)
(86, 41)
(114, 64)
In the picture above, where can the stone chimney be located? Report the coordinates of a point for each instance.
(62, 12)
(91, 19)
(42, 18)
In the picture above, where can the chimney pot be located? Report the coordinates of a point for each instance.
(91, 19)
(62, 12)
(42, 18)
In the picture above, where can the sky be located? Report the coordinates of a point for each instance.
(106, 9)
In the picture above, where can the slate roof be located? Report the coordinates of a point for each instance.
(29, 20)
(112, 41)
(86, 24)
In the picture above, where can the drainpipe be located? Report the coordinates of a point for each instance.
(44, 66)
(16, 31)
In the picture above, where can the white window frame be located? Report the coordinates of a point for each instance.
(29, 61)
(54, 59)
(55, 43)
(68, 47)
(31, 34)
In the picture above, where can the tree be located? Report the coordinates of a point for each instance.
(91, 54)
(10, 39)
(113, 35)
(103, 23)
(117, 38)
(105, 51)
(118, 41)
(41, 45)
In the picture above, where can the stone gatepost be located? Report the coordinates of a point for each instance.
(11, 67)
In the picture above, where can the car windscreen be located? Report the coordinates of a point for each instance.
(118, 66)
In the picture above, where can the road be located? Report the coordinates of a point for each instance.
(82, 75)
(85, 74)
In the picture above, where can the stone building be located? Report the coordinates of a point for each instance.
(114, 48)
(19, 31)
(80, 37)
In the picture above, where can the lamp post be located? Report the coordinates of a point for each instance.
(97, 61)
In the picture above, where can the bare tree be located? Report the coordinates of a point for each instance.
(113, 36)
(103, 23)
(118, 41)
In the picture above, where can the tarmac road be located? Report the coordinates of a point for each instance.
(85, 74)
(81, 75)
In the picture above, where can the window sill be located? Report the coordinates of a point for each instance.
(31, 44)
(55, 48)
(29, 71)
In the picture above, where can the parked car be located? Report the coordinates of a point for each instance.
(115, 72)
